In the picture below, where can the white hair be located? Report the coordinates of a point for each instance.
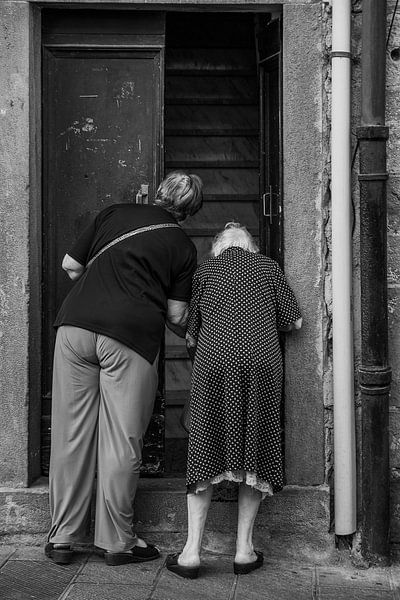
(233, 234)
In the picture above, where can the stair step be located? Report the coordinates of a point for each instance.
(171, 101)
(176, 352)
(231, 198)
(212, 132)
(293, 523)
(212, 164)
(205, 72)
(203, 232)
(176, 397)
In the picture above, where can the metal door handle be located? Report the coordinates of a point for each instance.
(264, 198)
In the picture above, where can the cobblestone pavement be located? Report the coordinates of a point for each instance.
(25, 574)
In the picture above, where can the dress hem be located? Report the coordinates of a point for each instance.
(239, 476)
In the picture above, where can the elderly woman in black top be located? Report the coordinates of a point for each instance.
(133, 268)
(240, 302)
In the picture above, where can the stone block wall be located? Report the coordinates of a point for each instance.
(14, 244)
(393, 197)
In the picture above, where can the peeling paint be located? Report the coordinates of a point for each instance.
(126, 92)
(89, 125)
(72, 128)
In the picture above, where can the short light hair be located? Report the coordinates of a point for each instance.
(180, 194)
(233, 234)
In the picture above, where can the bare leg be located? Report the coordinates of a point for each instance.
(248, 504)
(197, 505)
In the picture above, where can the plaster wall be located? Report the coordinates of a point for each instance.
(303, 151)
(14, 241)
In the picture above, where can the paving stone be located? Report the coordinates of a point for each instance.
(394, 575)
(106, 591)
(30, 553)
(23, 579)
(36, 553)
(276, 581)
(351, 584)
(140, 573)
(5, 554)
(34, 580)
(215, 582)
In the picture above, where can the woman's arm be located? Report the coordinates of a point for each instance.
(296, 325)
(72, 267)
(191, 345)
(177, 316)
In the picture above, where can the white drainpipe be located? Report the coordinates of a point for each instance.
(343, 373)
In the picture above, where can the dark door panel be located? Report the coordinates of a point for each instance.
(102, 118)
(270, 73)
(102, 112)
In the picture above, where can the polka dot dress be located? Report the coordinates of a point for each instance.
(239, 301)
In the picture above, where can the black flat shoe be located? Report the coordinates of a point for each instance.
(244, 568)
(61, 556)
(173, 566)
(135, 555)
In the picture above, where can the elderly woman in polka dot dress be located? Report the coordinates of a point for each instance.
(240, 302)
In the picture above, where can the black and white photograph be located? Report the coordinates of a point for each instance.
(199, 300)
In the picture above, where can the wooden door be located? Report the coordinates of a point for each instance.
(269, 57)
(211, 128)
(102, 116)
(268, 35)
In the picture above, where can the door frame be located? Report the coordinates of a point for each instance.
(57, 44)
(305, 194)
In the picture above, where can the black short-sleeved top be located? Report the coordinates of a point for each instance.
(123, 294)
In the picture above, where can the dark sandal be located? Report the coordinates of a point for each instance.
(173, 566)
(135, 555)
(244, 568)
(61, 556)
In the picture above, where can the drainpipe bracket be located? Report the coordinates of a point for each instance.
(341, 54)
(377, 378)
(373, 176)
(372, 132)
(375, 391)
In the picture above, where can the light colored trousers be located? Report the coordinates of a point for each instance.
(103, 398)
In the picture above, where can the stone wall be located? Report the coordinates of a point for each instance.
(14, 242)
(393, 196)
